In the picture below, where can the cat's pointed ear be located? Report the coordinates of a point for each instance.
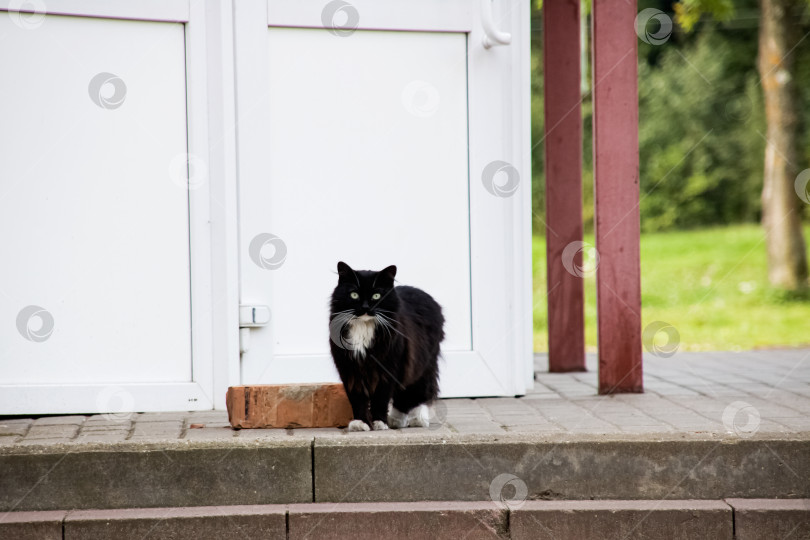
(389, 273)
(344, 270)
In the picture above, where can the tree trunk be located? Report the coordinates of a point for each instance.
(781, 207)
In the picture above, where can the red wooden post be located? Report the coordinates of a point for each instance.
(563, 167)
(615, 148)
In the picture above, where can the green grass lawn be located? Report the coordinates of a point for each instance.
(710, 284)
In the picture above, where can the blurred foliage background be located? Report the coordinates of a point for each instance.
(701, 123)
(701, 144)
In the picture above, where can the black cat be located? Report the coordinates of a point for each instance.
(385, 344)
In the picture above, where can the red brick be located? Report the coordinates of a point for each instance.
(771, 518)
(414, 520)
(650, 520)
(288, 406)
(32, 525)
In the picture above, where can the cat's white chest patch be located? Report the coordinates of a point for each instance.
(361, 333)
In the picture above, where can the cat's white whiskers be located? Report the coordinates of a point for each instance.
(386, 320)
(390, 324)
(386, 317)
(384, 324)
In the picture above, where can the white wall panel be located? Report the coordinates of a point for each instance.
(93, 225)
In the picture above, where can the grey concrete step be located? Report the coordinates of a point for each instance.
(742, 519)
(395, 466)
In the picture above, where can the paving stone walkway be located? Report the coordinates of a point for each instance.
(710, 394)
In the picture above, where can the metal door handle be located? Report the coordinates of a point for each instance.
(492, 36)
(251, 316)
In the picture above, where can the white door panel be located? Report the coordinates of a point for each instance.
(367, 163)
(88, 206)
(95, 211)
(361, 170)
(368, 146)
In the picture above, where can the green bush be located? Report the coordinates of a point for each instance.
(701, 124)
(700, 143)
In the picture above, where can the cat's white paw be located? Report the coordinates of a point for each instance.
(378, 425)
(419, 416)
(397, 419)
(358, 425)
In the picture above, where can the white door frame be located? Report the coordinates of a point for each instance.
(217, 56)
(499, 124)
(212, 220)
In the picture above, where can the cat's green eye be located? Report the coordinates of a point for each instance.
(354, 296)
(375, 296)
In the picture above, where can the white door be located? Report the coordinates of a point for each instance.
(96, 293)
(383, 133)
